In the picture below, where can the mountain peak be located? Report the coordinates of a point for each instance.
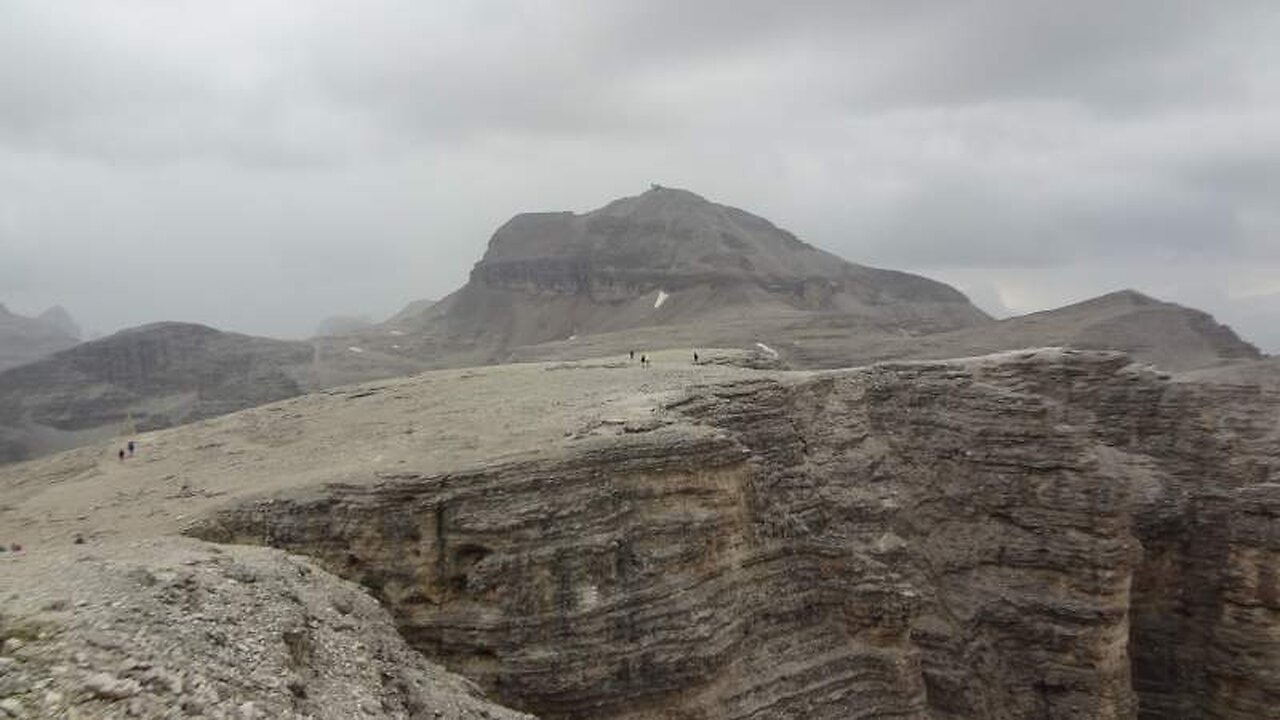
(24, 339)
(58, 317)
(662, 193)
(667, 230)
(1129, 295)
(660, 201)
(671, 257)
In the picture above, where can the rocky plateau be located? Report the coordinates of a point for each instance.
(1049, 533)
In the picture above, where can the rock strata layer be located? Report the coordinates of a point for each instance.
(1054, 534)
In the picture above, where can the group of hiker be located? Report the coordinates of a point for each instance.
(127, 450)
(645, 362)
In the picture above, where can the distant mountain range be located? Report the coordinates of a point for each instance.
(1164, 334)
(23, 339)
(160, 375)
(664, 269)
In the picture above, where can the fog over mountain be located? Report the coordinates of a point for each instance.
(260, 167)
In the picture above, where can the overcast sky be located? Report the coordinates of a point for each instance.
(261, 165)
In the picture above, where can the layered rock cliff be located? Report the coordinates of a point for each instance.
(1052, 534)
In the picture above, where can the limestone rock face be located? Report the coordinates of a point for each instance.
(1052, 533)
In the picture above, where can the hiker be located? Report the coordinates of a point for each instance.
(644, 361)
(695, 359)
(633, 354)
(121, 454)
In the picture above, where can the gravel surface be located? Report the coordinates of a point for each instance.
(179, 628)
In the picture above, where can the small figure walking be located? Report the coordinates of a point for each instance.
(131, 446)
(695, 357)
(121, 454)
(633, 354)
(644, 361)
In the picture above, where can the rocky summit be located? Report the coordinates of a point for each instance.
(1046, 533)
(668, 260)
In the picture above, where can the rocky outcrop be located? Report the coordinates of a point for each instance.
(1052, 534)
(184, 629)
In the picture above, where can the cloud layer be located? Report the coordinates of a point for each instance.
(259, 166)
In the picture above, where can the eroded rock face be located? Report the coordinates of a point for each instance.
(1042, 534)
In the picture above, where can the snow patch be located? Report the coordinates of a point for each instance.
(662, 297)
(355, 349)
(767, 349)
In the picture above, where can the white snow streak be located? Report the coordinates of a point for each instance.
(767, 349)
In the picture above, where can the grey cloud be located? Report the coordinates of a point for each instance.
(964, 224)
(343, 159)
